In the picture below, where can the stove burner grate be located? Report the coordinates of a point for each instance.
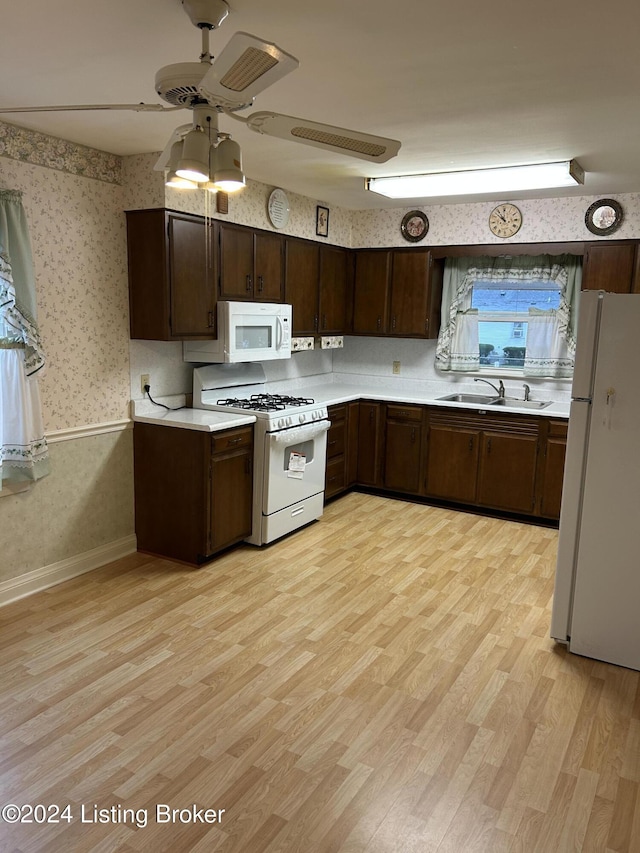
(266, 402)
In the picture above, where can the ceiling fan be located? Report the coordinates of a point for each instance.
(228, 85)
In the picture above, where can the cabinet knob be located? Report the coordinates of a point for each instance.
(315, 322)
(393, 322)
(471, 443)
(260, 284)
(211, 321)
(249, 284)
(426, 325)
(379, 323)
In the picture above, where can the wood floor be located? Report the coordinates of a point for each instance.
(380, 681)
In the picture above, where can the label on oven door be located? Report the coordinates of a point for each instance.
(297, 462)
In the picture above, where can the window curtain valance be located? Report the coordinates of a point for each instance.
(23, 449)
(457, 347)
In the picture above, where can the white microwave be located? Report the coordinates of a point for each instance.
(247, 331)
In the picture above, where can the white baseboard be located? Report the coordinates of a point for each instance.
(39, 579)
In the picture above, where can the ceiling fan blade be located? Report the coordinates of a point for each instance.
(377, 149)
(139, 108)
(246, 66)
(176, 136)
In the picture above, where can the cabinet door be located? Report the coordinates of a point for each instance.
(508, 471)
(353, 428)
(610, 267)
(191, 276)
(333, 290)
(402, 456)
(371, 292)
(553, 469)
(301, 284)
(268, 262)
(171, 491)
(369, 444)
(452, 462)
(409, 293)
(236, 262)
(231, 493)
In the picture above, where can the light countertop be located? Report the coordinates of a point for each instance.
(330, 393)
(142, 411)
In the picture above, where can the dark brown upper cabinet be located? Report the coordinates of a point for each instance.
(172, 275)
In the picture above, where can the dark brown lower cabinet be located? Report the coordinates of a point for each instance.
(369, 443)
(508, 462)
(336, 478)
(403, 448)
(452, 462)
(507, 475)
(555, 447)
(484, 459)
(193, 490)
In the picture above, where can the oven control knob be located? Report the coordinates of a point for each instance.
(288, 421)
(280, 422)
(301, 418)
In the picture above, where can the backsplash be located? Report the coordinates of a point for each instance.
(374, 357)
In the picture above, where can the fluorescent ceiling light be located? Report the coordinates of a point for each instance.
(503, 179)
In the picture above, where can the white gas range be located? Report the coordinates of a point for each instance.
(290, 445)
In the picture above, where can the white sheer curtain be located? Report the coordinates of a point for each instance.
(547, 352)
(457, 350)
(23, 448)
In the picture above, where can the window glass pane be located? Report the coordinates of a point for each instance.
(514, 296)
(503, 342)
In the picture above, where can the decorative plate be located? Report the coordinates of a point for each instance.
(414, 226)
(278, 208)
(604, 217)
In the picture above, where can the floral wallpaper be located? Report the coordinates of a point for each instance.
(145, 188)
(77, 231)
(546, 220)
(40, 149)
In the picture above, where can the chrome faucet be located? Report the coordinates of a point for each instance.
(527, 391)
(499, 391)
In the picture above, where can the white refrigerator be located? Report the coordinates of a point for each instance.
(596, 604)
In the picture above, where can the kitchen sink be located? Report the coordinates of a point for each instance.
(492, 400)
(485, 399)
(521, 404)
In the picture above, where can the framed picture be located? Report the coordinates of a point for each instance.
(322, 221)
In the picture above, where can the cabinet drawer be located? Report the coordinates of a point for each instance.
(336, 439)
(558, 429)
(404, 413)
(335, 481)
(337, 413)
(231, 439)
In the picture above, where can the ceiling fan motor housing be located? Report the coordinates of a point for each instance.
(206, 13)
(178, 84)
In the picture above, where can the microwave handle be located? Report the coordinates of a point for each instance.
(279, 333)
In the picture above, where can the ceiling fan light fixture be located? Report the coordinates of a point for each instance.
(537, 176)
(174, 181)
(194, 163)
(226, 166)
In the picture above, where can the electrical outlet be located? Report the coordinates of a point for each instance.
(396, 367)
(144, 380)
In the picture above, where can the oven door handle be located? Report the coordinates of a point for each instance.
(301, 433)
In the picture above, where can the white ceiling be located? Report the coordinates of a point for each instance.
(462, 84)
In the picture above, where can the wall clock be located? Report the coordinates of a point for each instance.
(505, 220)
(278, 208)
(414, 226)
(604, 217)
